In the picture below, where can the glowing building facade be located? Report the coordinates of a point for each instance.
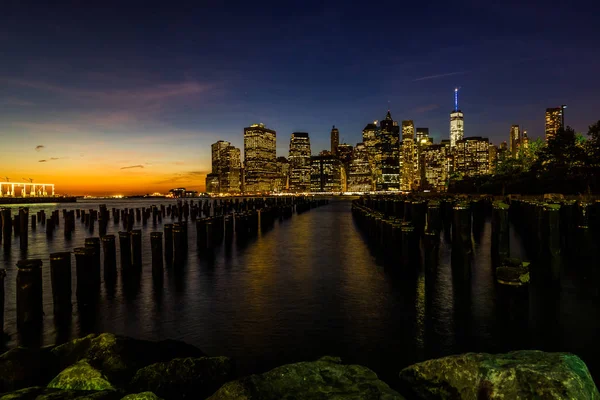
(360, 178)
(472, 156)
(435, 159)
(554, 121)
(515, 140)
(299, 159)
(457, 122)
(260, 165)
(283, 175)
(335, 140)
(387, 156)
(230, 170)
(327, 174)
(226, 169)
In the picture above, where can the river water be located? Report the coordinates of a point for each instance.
(312, 286)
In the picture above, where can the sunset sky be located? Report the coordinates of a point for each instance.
(128, 99)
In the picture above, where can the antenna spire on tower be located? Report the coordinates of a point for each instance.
(456, 99)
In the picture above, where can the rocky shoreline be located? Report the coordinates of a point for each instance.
(106, 366)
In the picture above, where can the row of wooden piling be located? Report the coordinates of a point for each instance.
(259, 214)
(547, 229)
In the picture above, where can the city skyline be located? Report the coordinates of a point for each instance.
(113, 107)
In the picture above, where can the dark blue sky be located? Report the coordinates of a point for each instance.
(203, 71)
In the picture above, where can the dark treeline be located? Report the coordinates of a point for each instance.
(568, 163)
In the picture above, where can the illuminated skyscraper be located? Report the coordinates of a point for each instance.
(407, 180)
(435, 167)
(226, 167)
(360, 178)
(422, 140)
(387, 157)
(260, 166)
(335, 140)
(457, 128)
(555, 120)
(344, 153)
(327, 174)
(515, 140)
(299, 159)
(212, 183)
(371, 141)
(472, 156)
(422, 134)
(493, 150)
(283, 173)
(408, 129)
(230, 170)
(216, 151)
(525, 141)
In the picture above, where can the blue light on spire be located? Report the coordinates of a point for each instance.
(455, 99)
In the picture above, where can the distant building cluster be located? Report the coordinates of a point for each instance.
(391, 157)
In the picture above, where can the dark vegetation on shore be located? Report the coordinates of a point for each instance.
(568, 163)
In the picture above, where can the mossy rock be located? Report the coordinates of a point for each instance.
(81, 376)
(22, 367)
(184, 377)
(120, 357)
(44, 393)
(142, 396)
(526, 374)
(326, 378)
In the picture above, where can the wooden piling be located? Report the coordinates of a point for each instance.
(29, 293)
(60, 276)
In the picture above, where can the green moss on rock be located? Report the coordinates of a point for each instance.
(120, 357)
(81, 376)
(527, 374)
(326, 378)
(44, 393)
(142, 396)
(184, 377)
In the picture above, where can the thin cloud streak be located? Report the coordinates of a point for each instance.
(183, 177)
(39, 147)
(426, 108)
(140, 95)
(426, 78)
(133, 166)
(14, 102)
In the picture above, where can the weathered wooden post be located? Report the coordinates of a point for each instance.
(2, 277)
(60, 276)
(157, 252)
(500, 231)
(84, 271)
(29, 294)
(23, 222)
(136, 246)
(462, 247)
(94, 244)
(125, 247)
(168, 230)
(553, 240)
(178, 236)
(110, 256)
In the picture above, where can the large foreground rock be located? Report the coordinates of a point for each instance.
(81, 376)
(44, 393)
(526, 374)
(22, 367)
(326, 378)
(195, 378)
(120, 357)
(140, 396)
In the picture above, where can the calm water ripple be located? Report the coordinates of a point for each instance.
(313, 286)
